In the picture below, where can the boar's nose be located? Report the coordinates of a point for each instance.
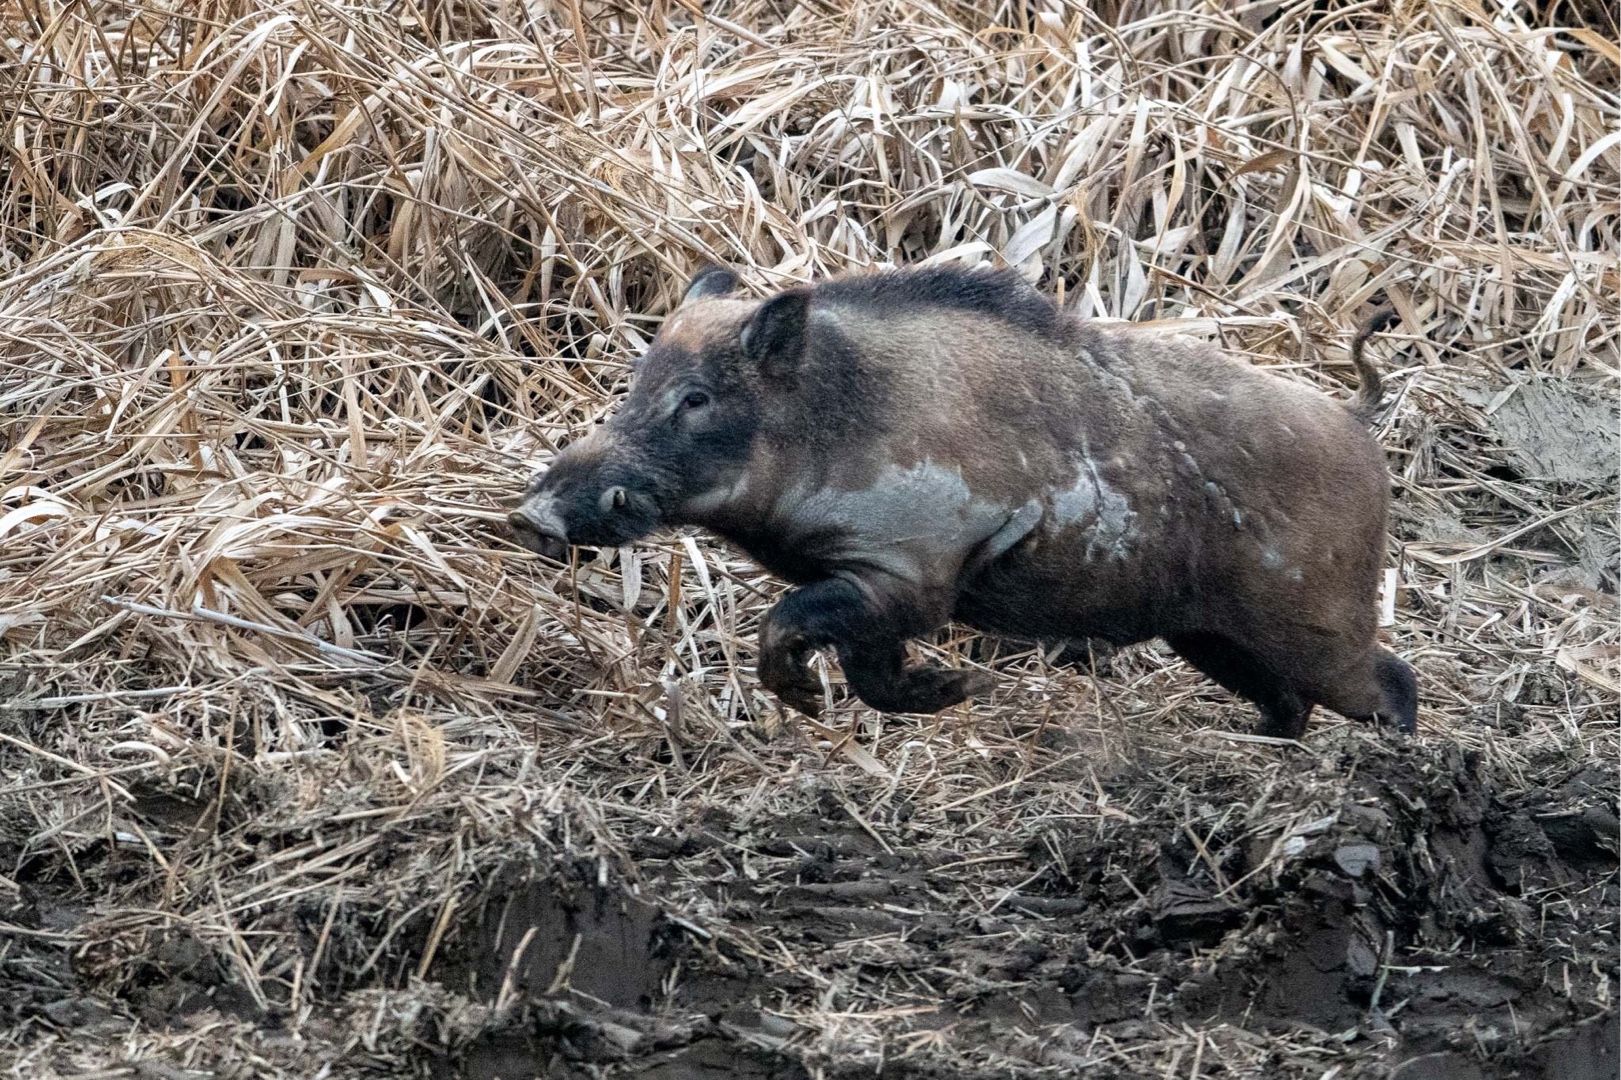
(538, 527)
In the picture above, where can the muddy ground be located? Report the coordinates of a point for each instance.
(1368, 908)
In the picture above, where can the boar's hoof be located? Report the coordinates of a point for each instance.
(806, 697)
(924, 690)
(784, 670)
(1286, 720)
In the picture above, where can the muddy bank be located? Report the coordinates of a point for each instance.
(1412, 916)
(1388, 909)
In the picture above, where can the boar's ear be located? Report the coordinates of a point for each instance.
(775, 337)
(710, 281)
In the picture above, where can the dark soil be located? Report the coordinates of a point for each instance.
(1449, 930)
(1429, 921)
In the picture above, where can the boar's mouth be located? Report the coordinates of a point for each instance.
(550, 522)
(539, 527)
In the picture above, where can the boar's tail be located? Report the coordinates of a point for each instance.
(1371, 387)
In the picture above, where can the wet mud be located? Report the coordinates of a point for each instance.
(1414, 915)
(1430, 924)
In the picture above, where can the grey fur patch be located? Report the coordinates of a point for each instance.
(1091, 503)
(922, 511)
(1272, 559)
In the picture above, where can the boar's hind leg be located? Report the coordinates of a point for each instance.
(870, 638)
(1284, 711)
(1379, 687)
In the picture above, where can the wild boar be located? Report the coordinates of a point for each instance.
(918, 446)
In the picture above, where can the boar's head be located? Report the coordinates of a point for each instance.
(684, 430)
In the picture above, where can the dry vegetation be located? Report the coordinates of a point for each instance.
(294, 295)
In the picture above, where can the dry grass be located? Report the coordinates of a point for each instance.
(294, 295)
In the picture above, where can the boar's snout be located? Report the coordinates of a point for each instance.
(586, 499)
(539, 527)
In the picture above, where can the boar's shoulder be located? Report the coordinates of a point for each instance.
(917, 522)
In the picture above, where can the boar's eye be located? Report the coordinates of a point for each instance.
(695, 399)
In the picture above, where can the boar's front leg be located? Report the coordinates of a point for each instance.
(869, 630)
(881, 679)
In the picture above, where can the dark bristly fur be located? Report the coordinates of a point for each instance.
(995, 294)
(918, 446)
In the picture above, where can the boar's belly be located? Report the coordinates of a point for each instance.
(1121, 602)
